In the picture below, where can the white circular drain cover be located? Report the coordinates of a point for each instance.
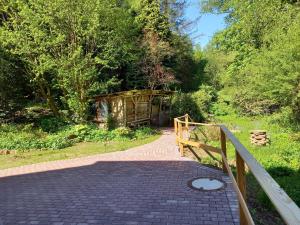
(206, 184)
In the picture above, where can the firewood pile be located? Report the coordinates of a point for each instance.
(259, 137)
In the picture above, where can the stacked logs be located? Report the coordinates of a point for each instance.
(259, 137)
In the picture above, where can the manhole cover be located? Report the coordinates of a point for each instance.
(206, 184)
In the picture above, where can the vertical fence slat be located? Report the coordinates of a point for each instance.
(186, 119)
(241, 181)
(176, 130)
(224, 149)
(180, 136)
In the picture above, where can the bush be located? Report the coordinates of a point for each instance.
(285, 118)
(196, 104)
(122, 132)
(52, 124)
(27, 136)
(183, 103)
(220, 108)
(204, 98)
(143, 132)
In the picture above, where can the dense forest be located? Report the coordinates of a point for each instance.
(57, 55)
(63, 53)
(254, 62)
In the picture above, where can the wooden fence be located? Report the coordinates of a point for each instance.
(288, 210)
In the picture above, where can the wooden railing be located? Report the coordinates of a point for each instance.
(288, 210)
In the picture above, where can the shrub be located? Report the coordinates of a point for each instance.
(204, 98)
(221, 108)
(52, 124)
(122, 132)
(143, 132)
(196, 104)
(27, 136)
(286, 119)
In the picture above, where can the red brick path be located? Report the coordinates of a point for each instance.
(146, 185)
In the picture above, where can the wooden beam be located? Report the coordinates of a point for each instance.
(223, 148)
(194, 123)
(186, 118)
(199, 144)
(135, 109)
(176, 130)
(125, 110)
(241, 182)
(242, 202)
(180, 138)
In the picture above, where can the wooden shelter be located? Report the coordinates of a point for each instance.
(135, 107)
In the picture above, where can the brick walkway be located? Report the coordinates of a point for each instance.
(143, 185)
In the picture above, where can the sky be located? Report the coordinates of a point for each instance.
(205, 27)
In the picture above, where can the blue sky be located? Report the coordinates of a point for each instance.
(203, 30)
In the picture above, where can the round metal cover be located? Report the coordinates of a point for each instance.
(206, 184)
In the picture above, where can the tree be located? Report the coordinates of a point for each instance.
(156, 44)
(13, 84)
(261, 39)
(68, 46)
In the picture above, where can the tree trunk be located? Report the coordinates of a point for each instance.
(47, 95)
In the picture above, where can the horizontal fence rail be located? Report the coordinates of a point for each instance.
(285, 206)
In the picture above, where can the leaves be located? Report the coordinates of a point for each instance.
(263, 37)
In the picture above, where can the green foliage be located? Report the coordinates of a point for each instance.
(69, 51)
(285, 118)
(187, 63)
(196, 104)
(203, 98)
(68, 47)
(55, 133)
(17, 137)
(143, 132)
(256, 58)
(220, 108)
(183, 103)
(122, 132)
(152, 20)
(13, 83)
(52, 124)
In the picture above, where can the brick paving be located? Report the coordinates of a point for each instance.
(145, 185)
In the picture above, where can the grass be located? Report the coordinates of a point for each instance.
(283, 152)
(79, 150)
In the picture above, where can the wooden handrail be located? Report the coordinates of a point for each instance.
(288, 209)
(245, 216)
(194, 123)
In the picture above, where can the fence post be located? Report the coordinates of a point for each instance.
(241, 181)
(180, 137)
(186, 119)
(176, 130)
(223, 148)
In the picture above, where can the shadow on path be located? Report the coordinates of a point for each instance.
(117, 192)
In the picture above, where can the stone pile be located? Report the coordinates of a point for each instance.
(259, 137)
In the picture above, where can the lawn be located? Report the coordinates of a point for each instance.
(78, 150)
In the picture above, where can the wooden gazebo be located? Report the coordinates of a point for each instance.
(135, 107)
